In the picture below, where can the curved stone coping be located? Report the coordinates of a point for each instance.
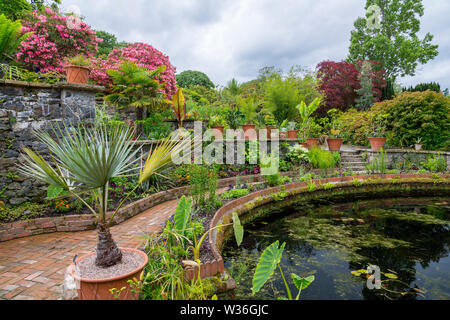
(57, 85)
(74, 223)
(241, 205)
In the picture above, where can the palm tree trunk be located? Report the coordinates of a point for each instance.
(108, 254)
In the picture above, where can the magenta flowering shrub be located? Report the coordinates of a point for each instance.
(143, 54)
(54, 37)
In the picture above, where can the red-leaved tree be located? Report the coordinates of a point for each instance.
(339, 80)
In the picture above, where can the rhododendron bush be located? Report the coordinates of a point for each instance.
(54, 37)
(144, 55)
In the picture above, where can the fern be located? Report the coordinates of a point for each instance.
(10, 37)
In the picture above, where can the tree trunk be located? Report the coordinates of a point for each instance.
(139, 117)
(108, 254)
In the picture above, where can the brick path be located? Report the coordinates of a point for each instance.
(33, 268)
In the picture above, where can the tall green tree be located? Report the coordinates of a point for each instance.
(388, 34)
(13, 9)
(191, 78)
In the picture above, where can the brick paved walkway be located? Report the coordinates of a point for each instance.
(33, 268)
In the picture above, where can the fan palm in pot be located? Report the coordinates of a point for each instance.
(84, 160)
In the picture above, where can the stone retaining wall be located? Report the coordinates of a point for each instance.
(72, 223)
(25, 106)
(414, 156)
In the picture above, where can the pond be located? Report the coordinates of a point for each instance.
(408, 239)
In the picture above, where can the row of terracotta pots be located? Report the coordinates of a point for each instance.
(250, 132)
(376, 143)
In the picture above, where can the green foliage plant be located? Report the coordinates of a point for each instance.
(79, 60)
(10, 37)
(269, 260)
(136, 86)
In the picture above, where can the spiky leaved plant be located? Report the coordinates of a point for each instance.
(84, 160)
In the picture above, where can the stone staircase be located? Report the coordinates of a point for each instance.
(351, 160)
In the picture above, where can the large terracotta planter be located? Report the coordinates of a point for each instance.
(219, 134)
(334, 144)
(303, 144)
(98, 289)
(311, 142)
(377, 143)
(292, 134)
(249, 131)
(77, 74)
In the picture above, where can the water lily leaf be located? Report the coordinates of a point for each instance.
(356, 273)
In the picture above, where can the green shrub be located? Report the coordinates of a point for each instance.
(417, 114)
(321, 159)
(378, 165)
(235, 193)
(203, 185)
(23, 212)
(437, 163)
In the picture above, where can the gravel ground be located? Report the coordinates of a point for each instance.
(130, 261)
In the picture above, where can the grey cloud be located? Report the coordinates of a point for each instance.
(235, 38)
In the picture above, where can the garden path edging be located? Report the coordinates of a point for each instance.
(75, 223)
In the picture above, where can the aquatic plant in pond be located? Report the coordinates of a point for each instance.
(409, 242)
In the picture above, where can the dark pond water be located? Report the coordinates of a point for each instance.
(408, 239)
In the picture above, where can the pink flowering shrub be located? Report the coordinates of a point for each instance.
(144, 55)
(54, 37)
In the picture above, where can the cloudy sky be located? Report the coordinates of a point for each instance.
(235, 38)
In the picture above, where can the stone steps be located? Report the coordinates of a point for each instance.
(352, 160)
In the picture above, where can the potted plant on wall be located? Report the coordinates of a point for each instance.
(418, 144)
(218, 124)
(284, 129)
(377, 137)
(311, 133)
(292, 131)
(334, 139)
(248, 107)
(84, 161)
(271, 125)
(306, 112)
(77, 69)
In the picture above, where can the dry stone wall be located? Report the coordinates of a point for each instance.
(27, 106)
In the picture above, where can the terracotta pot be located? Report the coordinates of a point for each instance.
(311, 142)
(292, 134)
(283, 135)
(77, 74)
(377, 143)
(269, 132)
(218, 135)
(98, 289)
(334, 144)
(303, 144)
(249, 131)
